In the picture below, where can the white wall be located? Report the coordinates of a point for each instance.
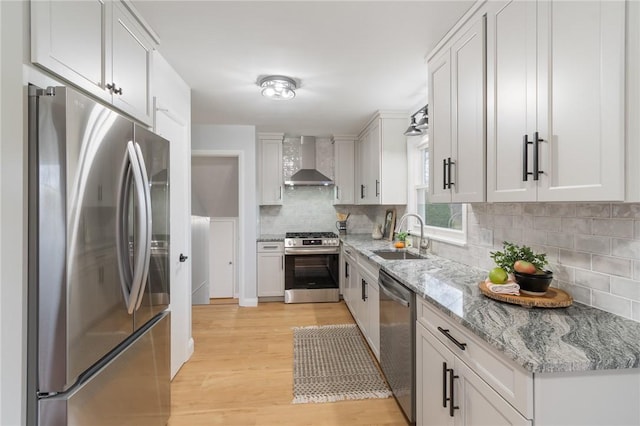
(214, 186)
(241, 139)
(13, 277)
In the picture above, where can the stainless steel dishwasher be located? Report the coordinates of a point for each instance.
(398, 341)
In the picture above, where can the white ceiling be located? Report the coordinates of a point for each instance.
(350, 57)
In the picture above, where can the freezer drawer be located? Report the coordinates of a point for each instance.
(133, 389)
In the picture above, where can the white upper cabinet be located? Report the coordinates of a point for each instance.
(381, 160)
(130, 65)
(98, 46)
(270, 173)
(344, 175)
(456, 115)
(555, 101)
(67, 39)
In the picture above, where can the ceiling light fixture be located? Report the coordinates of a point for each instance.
(278, 87)
(416, 129)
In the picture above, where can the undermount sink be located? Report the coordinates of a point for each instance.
(397, 255)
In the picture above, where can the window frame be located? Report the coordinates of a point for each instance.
(415, 144)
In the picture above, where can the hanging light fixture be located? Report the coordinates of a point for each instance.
(412, 130)
(278, 87)
(423, 123)
(416, 129)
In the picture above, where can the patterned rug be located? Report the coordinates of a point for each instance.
(333, 363)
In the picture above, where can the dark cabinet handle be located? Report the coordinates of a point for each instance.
(337, 192)
(449, 163)
(377, 188)
(444, 173)
(113, 89)
(364, 290)
(346, 270)
(444, 384)
(183, 258)
(450, 337)
(118, 91)
(451, 398)
(525, 158)
(361, 191)
(536, 153)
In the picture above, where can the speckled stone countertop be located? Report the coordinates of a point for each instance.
(269, 238)
(577, 338)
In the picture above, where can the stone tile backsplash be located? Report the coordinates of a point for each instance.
(310, 208)
(593, 248)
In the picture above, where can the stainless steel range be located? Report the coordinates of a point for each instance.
(311, 267)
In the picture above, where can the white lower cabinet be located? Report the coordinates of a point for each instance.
(448, 392)
(461, 380)
(270, 269)
(362, 295)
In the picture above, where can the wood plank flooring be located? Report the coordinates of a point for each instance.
(241, 372)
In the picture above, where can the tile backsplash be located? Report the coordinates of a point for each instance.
(593, 249)
(310, 208)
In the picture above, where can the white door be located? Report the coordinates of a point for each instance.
(174, 129)
(467, 119)
(511, 100)
(433, 364)
(222, 263)
(581, 97)
(439, 127)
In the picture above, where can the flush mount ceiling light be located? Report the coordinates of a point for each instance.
(278, 87)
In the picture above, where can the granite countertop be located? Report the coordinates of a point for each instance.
(577, 338)
(269, 238)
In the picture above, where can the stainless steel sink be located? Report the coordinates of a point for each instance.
(397, 255)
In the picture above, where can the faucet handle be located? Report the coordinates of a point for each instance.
(425, 243)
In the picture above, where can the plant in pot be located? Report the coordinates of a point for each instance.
(401, 238)
(526, 266)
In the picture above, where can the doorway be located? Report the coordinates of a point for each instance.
(215, 195)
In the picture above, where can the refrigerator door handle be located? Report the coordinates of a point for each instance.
(131, 283)
(146, 190)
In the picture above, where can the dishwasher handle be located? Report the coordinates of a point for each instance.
(388, 291)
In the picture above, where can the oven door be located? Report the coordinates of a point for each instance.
(311, 271)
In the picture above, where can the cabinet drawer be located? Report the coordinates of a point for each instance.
(270, 247)
(371, 268)
(511, 381)
(350, 253)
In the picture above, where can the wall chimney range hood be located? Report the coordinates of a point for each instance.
(308, 175)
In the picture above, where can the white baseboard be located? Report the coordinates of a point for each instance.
(248, 302)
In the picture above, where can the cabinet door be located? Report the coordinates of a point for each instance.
(373, 302)
(439, 126)
(271, 171)
(467, 119)
(363, 169)
(66, 38)
(511, 99)
(433, 360)
(478, 403)
(130, 65)
(270, 274)
(344, 155)
(374, 151)
(581, 68)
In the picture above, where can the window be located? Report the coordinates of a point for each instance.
(443, 222)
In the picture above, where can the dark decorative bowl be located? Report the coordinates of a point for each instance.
(534, 284)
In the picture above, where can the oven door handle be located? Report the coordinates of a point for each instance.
(328, 250)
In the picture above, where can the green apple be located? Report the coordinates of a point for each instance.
(498, 276)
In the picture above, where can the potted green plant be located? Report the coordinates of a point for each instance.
(401, 238)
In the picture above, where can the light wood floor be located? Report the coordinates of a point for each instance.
(241, 372)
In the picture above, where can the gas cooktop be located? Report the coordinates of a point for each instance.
(312, 235)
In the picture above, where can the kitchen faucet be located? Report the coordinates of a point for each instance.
(424, 244)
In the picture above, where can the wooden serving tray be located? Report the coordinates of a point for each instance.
(553, 298)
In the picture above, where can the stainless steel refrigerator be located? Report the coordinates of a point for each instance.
(99, 328)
